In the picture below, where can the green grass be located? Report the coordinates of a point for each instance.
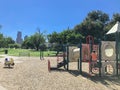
(24, 52)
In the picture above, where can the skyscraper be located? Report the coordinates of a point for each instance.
(19, 39)
(25, 37)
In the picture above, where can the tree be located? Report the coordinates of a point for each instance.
(93, 24)
(34, 41)
(27, 43)
(74, 38)
(98, 16)
(7, 41)
(115, 18)
(1, 40)
(53, 38)
(14, 45)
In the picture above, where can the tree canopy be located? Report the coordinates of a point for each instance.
(34, 41)
(96, 24)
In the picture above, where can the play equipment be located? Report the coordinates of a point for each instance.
(9, 62)
(61, 60)
(112, 51)
(73, 53)
(108, 50)
(108, 54)
(86, 55)
(108, 58)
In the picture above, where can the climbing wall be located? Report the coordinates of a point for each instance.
(108, 68)
(118, 57)
(85, 52)
(74, 53)
(108, 51)
(119, 67)
(108, 56)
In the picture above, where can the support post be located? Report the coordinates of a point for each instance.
(67, 57)
(80, 58)
(91, 48)
(49, 65)
(117, 48)
(40, 54)
(78, 64)
(63, 46)
(100, 64)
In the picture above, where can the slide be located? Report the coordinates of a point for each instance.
(61, 64)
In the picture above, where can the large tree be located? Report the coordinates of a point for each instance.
(93, 24)
(114, 19)
(27, 43)
(37, 39)
(34, 41)
(66, 36)
(53, 38)
(5, 41)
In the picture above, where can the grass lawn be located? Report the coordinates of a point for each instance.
(25, 52)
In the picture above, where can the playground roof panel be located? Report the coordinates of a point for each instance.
(114, 29)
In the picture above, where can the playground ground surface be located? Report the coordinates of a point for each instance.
(31, 73)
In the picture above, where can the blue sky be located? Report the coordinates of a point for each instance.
(49, 15)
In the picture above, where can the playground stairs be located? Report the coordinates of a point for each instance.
(60, 64)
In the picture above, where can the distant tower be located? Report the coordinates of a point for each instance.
(25, 37)
(19, 39)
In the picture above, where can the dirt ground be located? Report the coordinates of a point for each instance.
(31, 73)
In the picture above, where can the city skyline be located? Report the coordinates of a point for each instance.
(49, 15)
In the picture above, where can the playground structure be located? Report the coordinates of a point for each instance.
(108, 63)
(73, 53)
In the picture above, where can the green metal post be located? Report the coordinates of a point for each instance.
(91, 48)
(67, 57)
(80, 58)
(117, 53)
(63, 46)
(40, 54)
(78, 64)
(100, 58)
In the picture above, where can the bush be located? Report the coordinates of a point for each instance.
(14, 46)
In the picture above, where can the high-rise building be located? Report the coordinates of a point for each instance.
(25, 37)
(19, 39)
